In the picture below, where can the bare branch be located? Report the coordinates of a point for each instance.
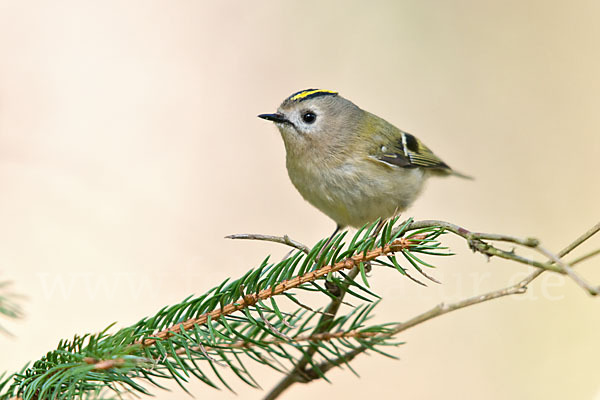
(285, 239)
(465, 233)
(584, 257)
(579, 280)
(591, 232)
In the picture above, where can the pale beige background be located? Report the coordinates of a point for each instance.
(129, 146)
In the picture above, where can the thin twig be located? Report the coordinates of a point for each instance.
(591, 232)
(315, 337)
(476, 243)
(460, 231)
(585, 236)
(579, 280)
(584, 257)
(285, 239)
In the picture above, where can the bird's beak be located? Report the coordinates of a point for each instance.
(275, 118)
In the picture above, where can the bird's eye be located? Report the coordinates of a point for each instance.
(309, 117)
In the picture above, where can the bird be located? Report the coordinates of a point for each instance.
(352, 165)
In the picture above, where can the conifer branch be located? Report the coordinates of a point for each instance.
(251, 299)
(246, 318)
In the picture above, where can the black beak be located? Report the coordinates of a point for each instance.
(274, 117)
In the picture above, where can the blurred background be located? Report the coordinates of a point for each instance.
(129, 147)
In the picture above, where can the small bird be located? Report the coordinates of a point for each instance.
(352, 165)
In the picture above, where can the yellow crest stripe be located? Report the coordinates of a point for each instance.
(309, 92)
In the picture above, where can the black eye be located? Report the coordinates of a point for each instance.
(309, 117)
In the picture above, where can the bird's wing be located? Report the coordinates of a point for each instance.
(405, 150)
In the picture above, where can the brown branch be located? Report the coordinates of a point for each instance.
(317, 337)
(251, 299)
(103, 365)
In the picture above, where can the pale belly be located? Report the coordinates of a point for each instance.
(351, 197)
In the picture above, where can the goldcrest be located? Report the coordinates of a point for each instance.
(352, 165)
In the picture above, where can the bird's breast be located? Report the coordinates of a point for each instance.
(355, 192)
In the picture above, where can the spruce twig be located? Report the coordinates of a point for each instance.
(248, 318)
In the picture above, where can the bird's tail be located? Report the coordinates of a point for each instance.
(460, 175)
